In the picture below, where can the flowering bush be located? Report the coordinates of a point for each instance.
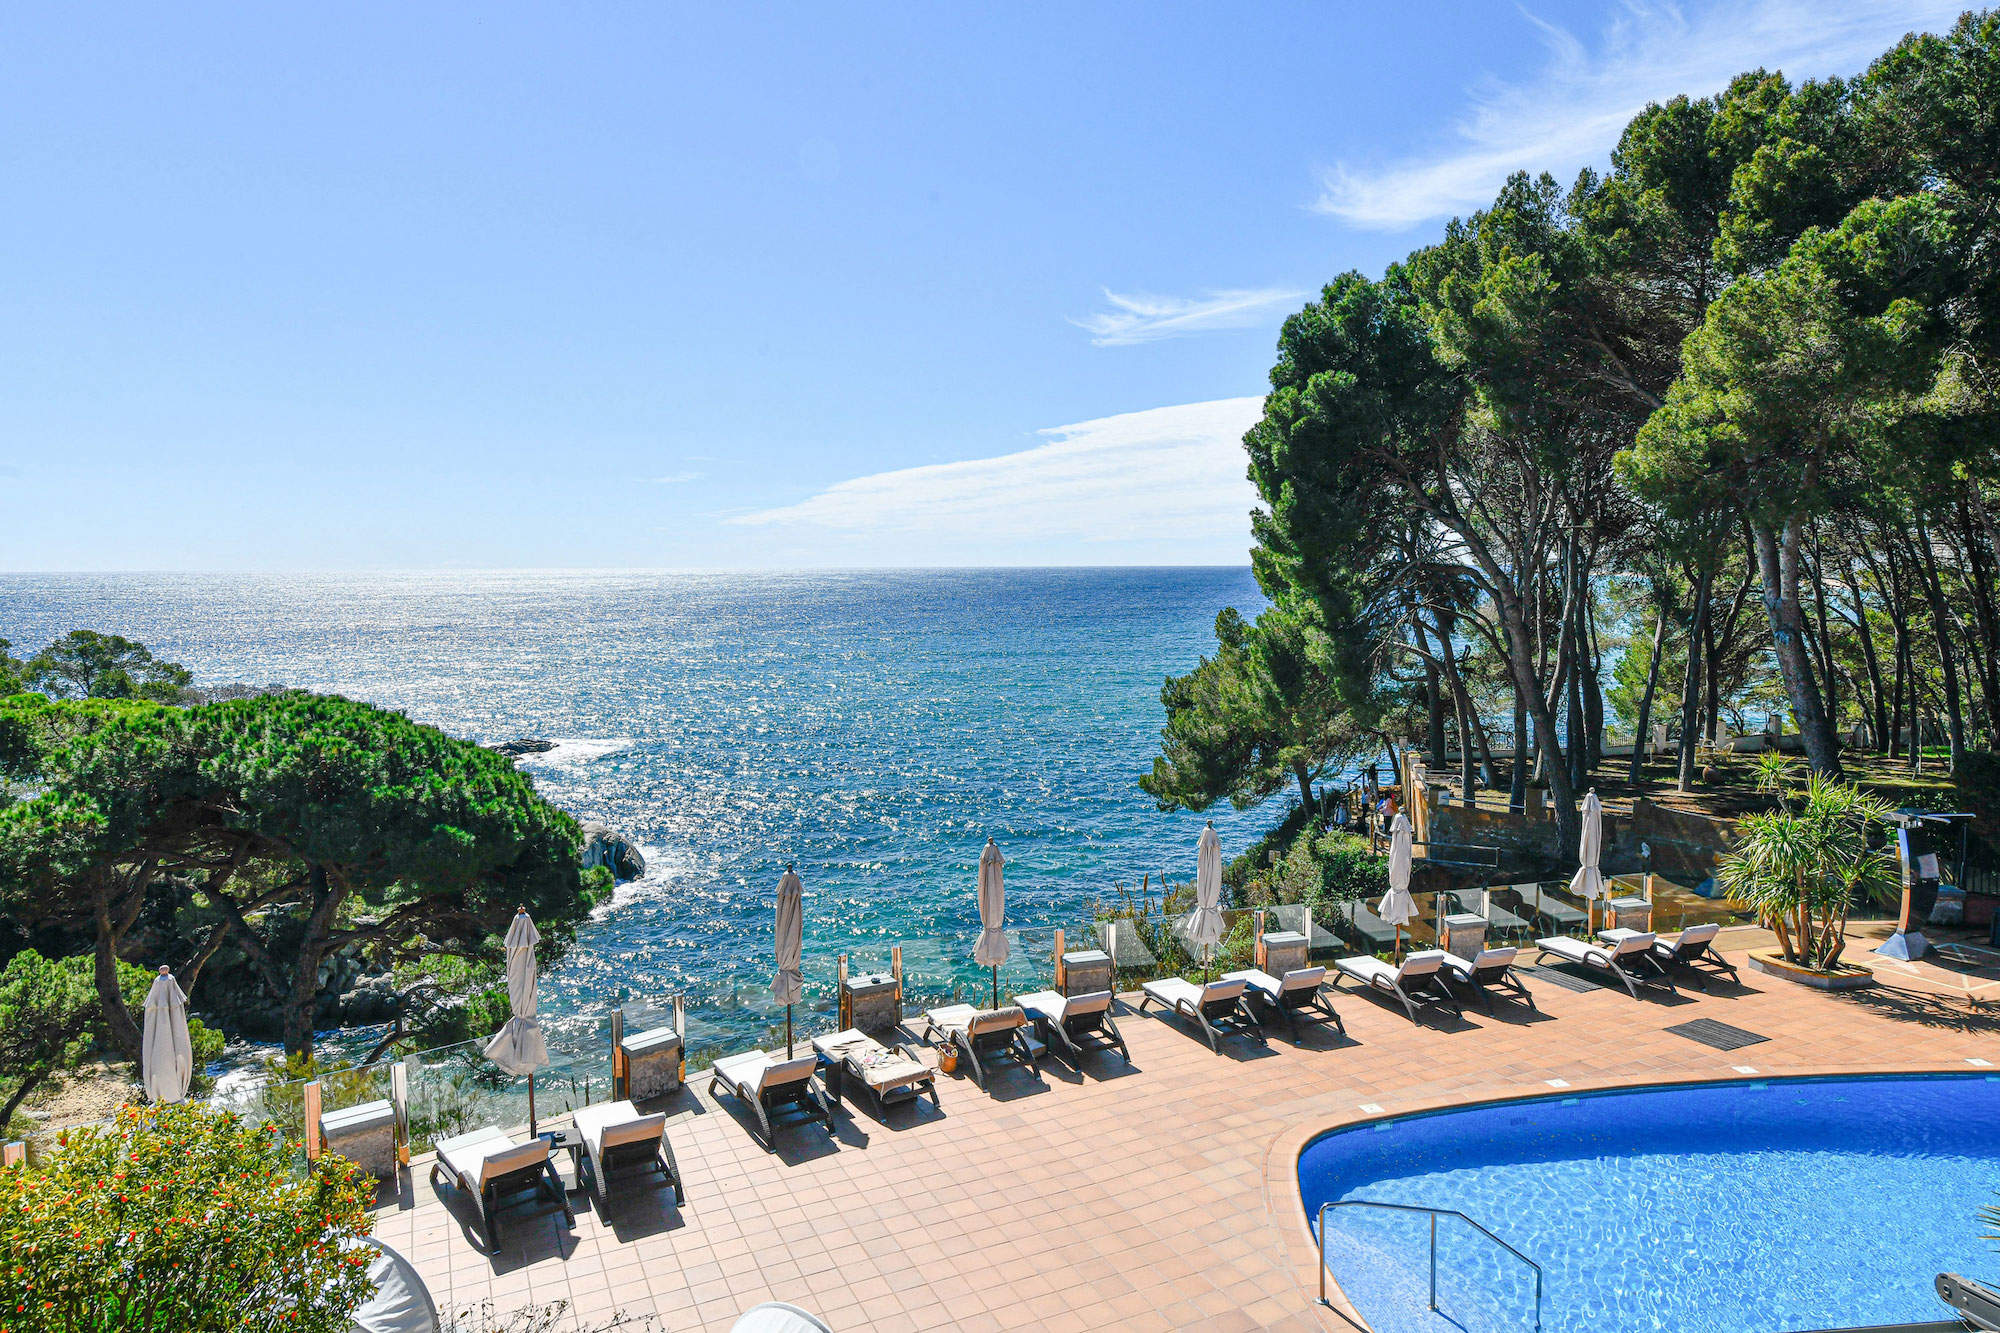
(183, 1220)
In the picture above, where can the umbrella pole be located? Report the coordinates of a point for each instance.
(531, 1103)
(996, 985)
(788, 1032)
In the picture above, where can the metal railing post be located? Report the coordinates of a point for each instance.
(1322, 1253)
(1434, 1261)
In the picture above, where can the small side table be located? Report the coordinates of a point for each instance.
(569, 1139)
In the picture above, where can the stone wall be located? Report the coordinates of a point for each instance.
(1685, 846)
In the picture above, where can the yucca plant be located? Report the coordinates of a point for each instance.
(1802, 866)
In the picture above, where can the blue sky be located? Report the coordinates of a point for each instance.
(347, 287)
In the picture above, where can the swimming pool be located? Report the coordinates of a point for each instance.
(1743, 1207)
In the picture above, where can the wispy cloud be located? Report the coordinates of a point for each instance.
(1569, 113)
(1144, 319)
(1170, 479)
(678, 478)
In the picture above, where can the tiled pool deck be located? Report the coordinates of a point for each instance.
(1156, 1197)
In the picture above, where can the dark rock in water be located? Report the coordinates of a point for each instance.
(603, 847)
(525, 745)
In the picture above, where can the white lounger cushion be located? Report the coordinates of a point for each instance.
(879, 1067)
(479, 1156)
(1499, 957)
(1058, 1008)
(952, 1018)
(1583, 951)
(1298, 979)
(996, 1020)
(1376, 972)
(615, 1124)
(754, 1072)
(1175, 992)
(1697, 934)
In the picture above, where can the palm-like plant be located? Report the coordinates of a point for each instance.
(1804, 864)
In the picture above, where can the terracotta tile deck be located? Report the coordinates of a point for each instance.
(1157, 1197)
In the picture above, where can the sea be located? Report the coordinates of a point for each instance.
(870, 728)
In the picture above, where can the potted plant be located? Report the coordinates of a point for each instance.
(1802, 865)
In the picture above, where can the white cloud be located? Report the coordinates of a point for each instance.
(1165, 485)
(1569, 113)
(678, 478)
(1143, 319)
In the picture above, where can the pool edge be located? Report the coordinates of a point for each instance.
(1281, 1161)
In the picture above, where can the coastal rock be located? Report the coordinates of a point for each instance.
(604, 847)
(514, 749)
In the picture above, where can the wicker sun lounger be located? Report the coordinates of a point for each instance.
(1625, 954)
(891, 1076)
(1417, 983)
(1693, 951)
(503, 1176)
(1216, 1008)
(1290, 996)
(1488, 971)
(769, 1086)
(1078, 1024)
(620, 1144)
(983, 1036)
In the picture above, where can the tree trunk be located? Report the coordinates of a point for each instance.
(325, 895)
(1691, 680)
(117, 907)
(19, 1095)
(1878, 711)
(1778, 565)
(1561, 790)
(1639, 737)
(1593, 688)
(1303, 775)
(1434, 707)
(1517, 778)
(1954, 711)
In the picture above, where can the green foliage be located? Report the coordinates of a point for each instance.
(181, 1218)
(13, 671)
(87, 665)
(1804, 865)
(1323, 869)
(45, 1012)
(323, 816)
(1272, 707)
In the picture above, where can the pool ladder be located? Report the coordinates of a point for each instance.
(1435, 1214)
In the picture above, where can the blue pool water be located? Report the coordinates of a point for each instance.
(1755, 1207)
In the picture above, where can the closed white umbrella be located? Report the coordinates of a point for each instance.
(789, 932)
(1588, 879)
(518, 1047)
(1398, 905)
(1204, 924)
(991, 949)
(167, 1057)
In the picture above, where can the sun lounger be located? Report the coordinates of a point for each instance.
(1121, 939)
(503, 1176)
(1625, 954)
(619, 1144)
(1487, 971)
(1077, 1023)
(1559, 915)
(890, 1076)
(1215, 1008)
(1693, 950)
(985, 1035)
(769, 1086)
(1298, 917)
(1287, 997)
(1416, 984)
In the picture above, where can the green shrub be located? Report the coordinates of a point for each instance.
(180, 1218)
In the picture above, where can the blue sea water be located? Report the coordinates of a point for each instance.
(1733, 1208)
(874, 728)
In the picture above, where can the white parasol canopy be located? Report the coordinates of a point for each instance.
(1589, 880)
(518, 1047)
(167, 1057)
(1204, 924)
(789, 932)
(991, 951)
(1399, 907)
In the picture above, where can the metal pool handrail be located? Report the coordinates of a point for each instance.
(1434, 1213)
